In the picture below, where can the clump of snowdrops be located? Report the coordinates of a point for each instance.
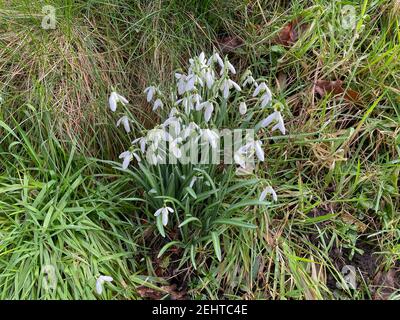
(200, 199)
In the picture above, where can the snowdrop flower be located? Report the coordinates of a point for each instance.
(164, 214)
(266, 98)
(268, 190)
(209, 108)
(249, 81)
(181, 83)
(240, 158)
(192, 127)
(100, 281)
(127, 156)
(196, 98)
(276, 116)
(216, 57)
(229, 66)
(173, 112)
(210, 136)
(226, 85)
(261, 88)
(190, 84)
(259, 150)
(242, 108)
(173, 122)
(125, 121)
(209, 78)
(187, 104)
(192, 182)
(114, 99)
(142, 142)
(243, 153)
(173, 146)
(202, 58)
(150, 92)
(157, 104)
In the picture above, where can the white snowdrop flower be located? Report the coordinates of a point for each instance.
(225, 89)
(187, 104)
(196, 98)
(192, 127)
(173, 146)
(174, 123)
(259, 150)
(142, 142)
(173, 112)
(114, 99)
(192, 182)
(242, 108)
(201, 105)
(190, 83)
(217, 57)
(181, 83)
(100, 281)
(164, 214)
(226, 85)
(208, 111)
(210, 136)
(150, 92)
(202, 58)
(235, 85)
(268, 190)
(266, 98)
(249, 81)
(127, 156)
(275, 116)
(157, 104)
(153, 191)
(229, 66)
(260, 88)
(209, 78)
(240, 158)
(125, 121)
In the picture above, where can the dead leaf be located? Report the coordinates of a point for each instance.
(386, 284)
(230, 43)
(324, 87)
(153, 294)
(290, 33)
(174, 293)
(281, 81)
(348, 218)
(148, 293)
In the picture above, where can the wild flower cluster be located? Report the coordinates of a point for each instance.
(201, 102)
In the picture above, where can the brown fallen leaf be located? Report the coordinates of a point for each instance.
(324, 87)
(386, 283)
(290, 33)
(281, 81)
(149, 293)
(153, 294)
(174, 293)
(347, 217)
(230, 43)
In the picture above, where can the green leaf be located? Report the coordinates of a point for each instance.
(167, 246)
(217, 246)
(188, 220)
(236, 223)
